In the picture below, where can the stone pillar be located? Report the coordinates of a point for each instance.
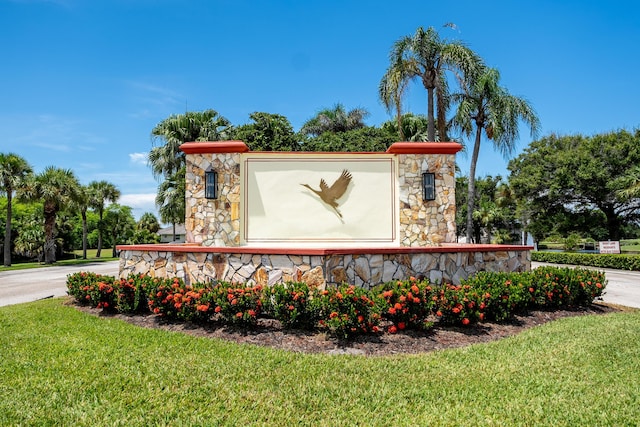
(424, 223)
(213, 222)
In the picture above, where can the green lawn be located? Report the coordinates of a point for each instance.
(105, 255)
(59, 366)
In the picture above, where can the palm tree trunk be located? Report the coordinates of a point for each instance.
(84, 234)
(49, 236)
(99, 236)
(431, 128)
(174, 231)
(7, 231)
(472, 185)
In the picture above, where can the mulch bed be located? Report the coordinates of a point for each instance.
(269, 333)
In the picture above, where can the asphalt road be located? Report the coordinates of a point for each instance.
(30, 285)
(20, 286)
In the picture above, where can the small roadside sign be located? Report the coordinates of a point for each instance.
(609, 247)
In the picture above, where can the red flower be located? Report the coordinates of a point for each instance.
(455, 310)
(415, 289)
(397, 306)
(531, 290)
(465, 321)
(482, 306)
(392, 310)
(291, 308)
(234, 301)
(402, 325)
(333, 315)
(393, 329)
(252, 313)
(239, 315)
(481, 316)
(387, 294)
(598, 285)
(218, 309)
(439, 313)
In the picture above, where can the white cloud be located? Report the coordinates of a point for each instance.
(139, 158)
(140, 203)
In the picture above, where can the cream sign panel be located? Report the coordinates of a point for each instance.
(344, 199)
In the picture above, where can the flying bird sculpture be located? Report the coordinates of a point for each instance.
(330, 195)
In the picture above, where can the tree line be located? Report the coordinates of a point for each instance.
(54, 213)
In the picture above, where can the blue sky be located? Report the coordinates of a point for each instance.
(83, 82)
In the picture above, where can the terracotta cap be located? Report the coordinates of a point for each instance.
(214, 147)
(424, 148)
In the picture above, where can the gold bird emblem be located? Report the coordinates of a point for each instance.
(330, 195)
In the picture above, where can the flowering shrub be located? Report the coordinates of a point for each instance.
(501, 294)
(406, 304)
(289, 303)
(458, 304)
(236, 304)
(84, 287)
(131, 294)
(346, 311)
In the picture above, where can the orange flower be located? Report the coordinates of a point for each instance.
(218, 309)
(397, 306)
(439, 313)
(333, 315)
(415, 289)
(392, 310)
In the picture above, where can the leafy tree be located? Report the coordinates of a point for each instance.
(364, 139)
(268, 132)
(335, 120)
(120, 223)
(13, 173)
(56, 188)
(100, 192)
(425, 56)
(577, 175)
(485, 106)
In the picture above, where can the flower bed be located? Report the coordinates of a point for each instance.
(345, 310)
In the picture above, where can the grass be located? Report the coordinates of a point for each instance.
(105, 255)
(59, 366)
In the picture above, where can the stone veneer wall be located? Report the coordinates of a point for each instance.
(431, 222)
(321, 269)
(213, 222)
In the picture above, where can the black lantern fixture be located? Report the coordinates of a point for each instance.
(210, 185)
(428, 186)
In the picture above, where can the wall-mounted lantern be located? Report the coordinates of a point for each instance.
(210, 185)
(428, 186)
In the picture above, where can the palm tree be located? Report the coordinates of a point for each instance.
(148, 221)
(99, 193)
(171, 200)
(413, 127)
(56, 188)
(177, 129)
(425, 56)
(489, 107)
(13, 172)
(335, 119)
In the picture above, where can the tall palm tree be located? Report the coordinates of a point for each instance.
(335, 119)
(13, 172)
(167, 158)
(171, 200)
(426, 57)
(485, 105)
(56, 188)
(101, 192)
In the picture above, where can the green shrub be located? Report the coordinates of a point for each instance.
(289, 303)
(346, 311)
(615, 261)
(406, 304)
(237, 304)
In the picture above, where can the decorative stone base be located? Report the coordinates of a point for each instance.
(366, 267)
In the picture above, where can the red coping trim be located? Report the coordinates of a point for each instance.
(214, 147)
(424, 148)
(444, 248)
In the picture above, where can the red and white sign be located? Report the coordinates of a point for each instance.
(610, 247)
